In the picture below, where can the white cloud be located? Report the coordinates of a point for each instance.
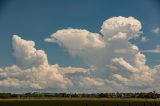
(129, 26)
(120, 78)
(116, 63)
(73, 70)
(113, 56)
(144, 39)
(91, 82)
(77, 40)
(33, 71)
(33, 78)
(119, 36)
(122, 63)
(155, 50)
(26, 54)
(156, 30)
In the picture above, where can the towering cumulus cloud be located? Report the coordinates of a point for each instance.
(117, 64)
(26, 54)
(127, 28)
(117, 61)
(33, 70)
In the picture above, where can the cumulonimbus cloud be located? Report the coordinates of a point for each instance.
(117, 64)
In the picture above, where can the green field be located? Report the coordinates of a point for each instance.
(79, 102)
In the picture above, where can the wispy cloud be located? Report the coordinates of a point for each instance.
(151, 51)
(156, 30)
(155, 50)
(144, 39)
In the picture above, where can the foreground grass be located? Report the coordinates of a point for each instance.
(79, 102)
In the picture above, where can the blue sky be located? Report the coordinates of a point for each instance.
(79, 45)
(38, 19)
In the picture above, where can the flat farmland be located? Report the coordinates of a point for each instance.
(79, 102)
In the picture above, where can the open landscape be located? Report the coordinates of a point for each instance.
(79, 102)
(79, 52)
(64, 99)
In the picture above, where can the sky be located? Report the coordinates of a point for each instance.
(79, 45)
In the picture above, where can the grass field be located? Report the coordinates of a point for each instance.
(79, 102)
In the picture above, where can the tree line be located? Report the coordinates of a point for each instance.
(82, 95)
